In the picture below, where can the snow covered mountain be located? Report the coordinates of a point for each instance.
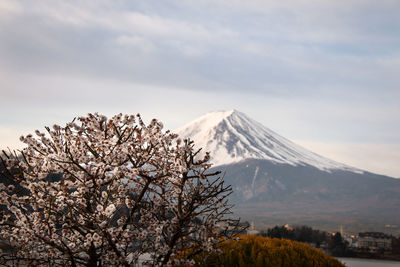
(275, 181)
(231, 137)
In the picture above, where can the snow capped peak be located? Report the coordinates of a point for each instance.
(208, 120)
(231, 137)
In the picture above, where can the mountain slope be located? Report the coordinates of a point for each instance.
(305, 194)
(275, 181)
(231, 136)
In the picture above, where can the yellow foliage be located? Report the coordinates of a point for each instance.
(263, 251)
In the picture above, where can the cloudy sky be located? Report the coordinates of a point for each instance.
(324, 74)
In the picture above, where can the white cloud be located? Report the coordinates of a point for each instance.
(128, 22)
(9, 8)
(139, 42)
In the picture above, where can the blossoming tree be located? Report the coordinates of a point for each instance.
(105, 192)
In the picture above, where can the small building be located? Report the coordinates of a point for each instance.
(252, 230)
(288, 227)
(352, 240)
(374, 241)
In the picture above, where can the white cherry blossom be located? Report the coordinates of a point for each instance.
(106, 191)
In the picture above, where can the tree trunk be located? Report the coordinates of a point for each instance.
(93, 257)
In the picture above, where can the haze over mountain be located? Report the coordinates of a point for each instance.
(278, 181)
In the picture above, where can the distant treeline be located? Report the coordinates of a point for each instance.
(335, 244)
(332, 243)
